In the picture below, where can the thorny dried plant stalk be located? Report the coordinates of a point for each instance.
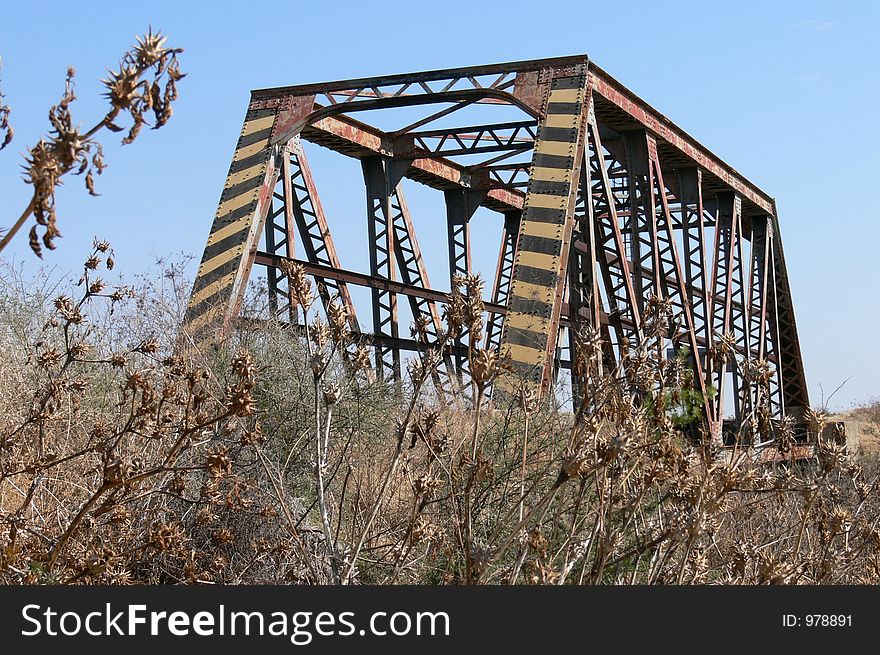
(144, 82)
(122, 461)
(6, 131)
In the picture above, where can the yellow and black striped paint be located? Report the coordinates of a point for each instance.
(225, 263)
(532, 321)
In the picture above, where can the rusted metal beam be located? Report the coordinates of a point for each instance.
(349, 137)
(414, 272)
(794, 384)
(727, 234)
(604, 85)
(393, 286)
(280, 238)
(531, 329)
(370, 281)
(614, 260)
(381, 251)
(671, 271)
(584, 302)
(532, 65)
(664, 129)
(503, 276)
(460, 207)
(303, 207)
(516, 136)
(693, 227)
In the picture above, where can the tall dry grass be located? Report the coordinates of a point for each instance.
(128, 457)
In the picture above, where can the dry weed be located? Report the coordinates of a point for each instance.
(277, 460)
(145, 81)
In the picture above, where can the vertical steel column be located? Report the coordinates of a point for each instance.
(280, 240)
(503, 276)
(777, 400)
(584, 302)
(275, 280)
(381, 239)
(740, 325)
(690, 185)
(642, 218)
(726, 236)
(757, 292)
(760, 313)
(460, 207)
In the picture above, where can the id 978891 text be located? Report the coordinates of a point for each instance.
(817, 620)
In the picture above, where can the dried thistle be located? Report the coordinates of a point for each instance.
(300, 286)
(485, 366)
(130, 90)
(420, 328)
(5, 128)
(331, 393)
(528, 399)
(425, 530)
(587, 349)
(425, 485)
(817, 419)
(222, 536)
(136, 88)
(473, 309)
(320, 333)
(454, 311)
(165, 537)
(361, 359)
(218, 463)
(337, 318)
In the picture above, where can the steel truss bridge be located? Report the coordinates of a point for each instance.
(601, 202)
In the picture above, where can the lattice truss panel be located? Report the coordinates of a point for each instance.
(600, 201)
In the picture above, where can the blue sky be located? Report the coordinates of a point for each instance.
(787, 93)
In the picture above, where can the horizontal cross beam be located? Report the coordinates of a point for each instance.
(501, 137)
(364, 280)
